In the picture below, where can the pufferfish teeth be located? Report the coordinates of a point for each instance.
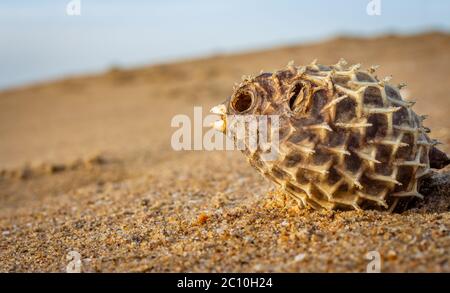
(219, 109)
(219, 125)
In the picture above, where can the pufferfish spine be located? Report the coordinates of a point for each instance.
(346, 139)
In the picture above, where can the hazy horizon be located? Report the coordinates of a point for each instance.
(39, 41)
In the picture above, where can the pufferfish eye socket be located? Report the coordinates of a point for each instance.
(295, 96)
(242, 102)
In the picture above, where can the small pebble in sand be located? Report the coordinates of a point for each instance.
(391, 255)
(202, 219)
(299, 257)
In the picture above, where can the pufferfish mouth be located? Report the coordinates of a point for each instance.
(221, 124)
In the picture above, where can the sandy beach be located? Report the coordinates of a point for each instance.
(86, 165)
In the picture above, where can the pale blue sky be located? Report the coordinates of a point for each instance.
(38, 41)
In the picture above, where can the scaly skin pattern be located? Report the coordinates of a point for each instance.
(346, 139)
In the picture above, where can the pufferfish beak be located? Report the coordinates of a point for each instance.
(221, 110)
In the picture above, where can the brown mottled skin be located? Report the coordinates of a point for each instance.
(346, 139)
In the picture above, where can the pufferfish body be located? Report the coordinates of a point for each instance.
(346, 140)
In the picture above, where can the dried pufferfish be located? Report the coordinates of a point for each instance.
(346, 139)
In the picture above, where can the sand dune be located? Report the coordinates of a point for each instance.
(86, 165)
